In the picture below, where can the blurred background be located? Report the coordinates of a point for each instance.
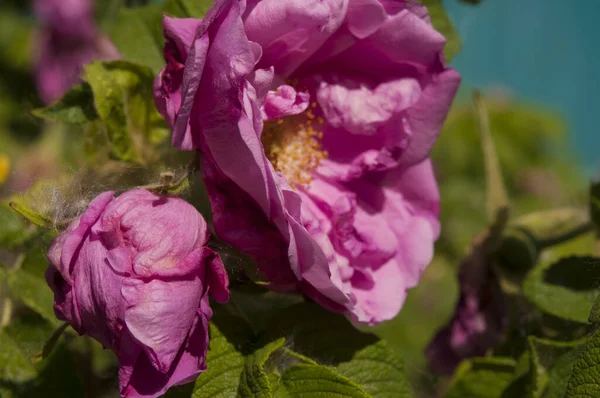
(537, 63)
(544, 52)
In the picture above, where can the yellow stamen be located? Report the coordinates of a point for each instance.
(293, 146)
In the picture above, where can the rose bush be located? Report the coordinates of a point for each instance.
(314, 121)
(134, 273)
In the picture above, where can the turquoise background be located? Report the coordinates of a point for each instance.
(543, 51)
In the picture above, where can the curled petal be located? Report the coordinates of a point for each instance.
(284, 101)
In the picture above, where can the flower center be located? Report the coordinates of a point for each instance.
(293, 145)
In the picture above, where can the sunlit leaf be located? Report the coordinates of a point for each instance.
(75, 107)
(585, 379)
(482, 378)
(566, 288)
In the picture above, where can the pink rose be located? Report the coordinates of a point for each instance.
(134, 273)
(314, 120)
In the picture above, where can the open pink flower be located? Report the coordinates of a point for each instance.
(314, 120)
(134, 273)
(67, 40)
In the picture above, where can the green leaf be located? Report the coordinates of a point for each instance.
(442, 24)
(482, 378)
(566, 288)
(110, 100)
(254, 381)
(75, 107)
(224, 360)
(145, 24)
(13, 228)
(585, 379)
(595, 312)
(15, 367)
(196, 8)
(60, 375)
(542, 375)
(330, 339)
(558, 377)
(31, 215)
(33, 291)
(30, 332)
(257, 305)
(123, 98)
(141, 23)
(307, 380)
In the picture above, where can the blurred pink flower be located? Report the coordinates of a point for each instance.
(134, 273)
(480, 317)
(67, 40)
(314, 120)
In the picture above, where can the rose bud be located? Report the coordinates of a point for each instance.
(134, 273)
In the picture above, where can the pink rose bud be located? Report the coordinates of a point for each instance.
(134, 273)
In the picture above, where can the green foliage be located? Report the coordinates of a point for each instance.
(145, 24)
(566, 288)
(585, 379)
(305, 351)
(111, 93)
(254, 381)
(482, 378)
(14, 365)
(13, 229)
(224, 360)
(32, 290)
(360, 357)
(541, 369)
(533, 152)
(75, 107)
(560, 373)
(31, 215)
(116, 110)
(30, 332)
(307, 380)
(595, 312)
